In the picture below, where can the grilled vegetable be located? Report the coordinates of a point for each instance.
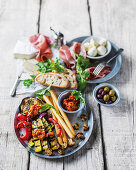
(45, 123)
(40, 124)
(61, 151)
(83, 117)
(38, 147)
(54, 144)
(48, 151)
(57, 125)
(28, 102)
(80, 135)
(31, 143)
(75, 125)
(85, 127)
(45, 145)
(71, 142)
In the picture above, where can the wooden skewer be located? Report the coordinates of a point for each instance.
(70, 134)
(54, 97)
(64, 136)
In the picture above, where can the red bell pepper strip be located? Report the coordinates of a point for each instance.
(21, 117)
(56, 124)
(27, 126)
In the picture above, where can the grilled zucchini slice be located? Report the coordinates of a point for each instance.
(38, 147)
(45, 145)
(31, 143)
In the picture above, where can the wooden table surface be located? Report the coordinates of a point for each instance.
(112, 145)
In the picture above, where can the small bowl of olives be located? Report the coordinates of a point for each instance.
(106, 94)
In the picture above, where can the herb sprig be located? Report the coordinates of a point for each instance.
(81, 65)
(79, 96)
(46, 107)
(50, 66)
(28, 82)
(41, 92)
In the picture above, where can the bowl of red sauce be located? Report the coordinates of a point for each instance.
(68, 103)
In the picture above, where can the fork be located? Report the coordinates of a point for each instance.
(100, 66)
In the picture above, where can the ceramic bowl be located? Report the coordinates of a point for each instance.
(64, 95)
(110, 86)
(108, 47)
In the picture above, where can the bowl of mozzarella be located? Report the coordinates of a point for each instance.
(96, 48)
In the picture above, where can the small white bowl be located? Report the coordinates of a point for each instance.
(108, 47)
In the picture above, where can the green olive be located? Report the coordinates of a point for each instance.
(113, 98)
(106, 89)
(106, 97)
(112, 93)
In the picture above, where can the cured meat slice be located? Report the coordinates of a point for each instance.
(42, 43)
(68, 54)
(65, 54)
(106, 70)
(46, 54)
(75, 49)
(34, 38)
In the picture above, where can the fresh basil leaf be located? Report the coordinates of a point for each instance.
(45, 91)
(46, 107)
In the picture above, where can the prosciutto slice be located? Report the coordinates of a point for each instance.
(68, 54)
(75, 49)
(106, 70)
(42, 43)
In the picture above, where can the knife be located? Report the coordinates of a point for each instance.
(13, 90)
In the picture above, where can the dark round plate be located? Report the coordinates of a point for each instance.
(115, 64)
(70, 150)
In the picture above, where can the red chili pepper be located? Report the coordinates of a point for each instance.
(55, 123)
(27, 127)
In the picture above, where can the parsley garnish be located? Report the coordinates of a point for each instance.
(28, 82)
(79, 96)
(50, 66)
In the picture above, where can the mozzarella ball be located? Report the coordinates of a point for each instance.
(101, 50)
(92, 52)
(93, 43)
(86, 46)
(102, 42)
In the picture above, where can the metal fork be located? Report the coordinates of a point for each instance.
(100, 66)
